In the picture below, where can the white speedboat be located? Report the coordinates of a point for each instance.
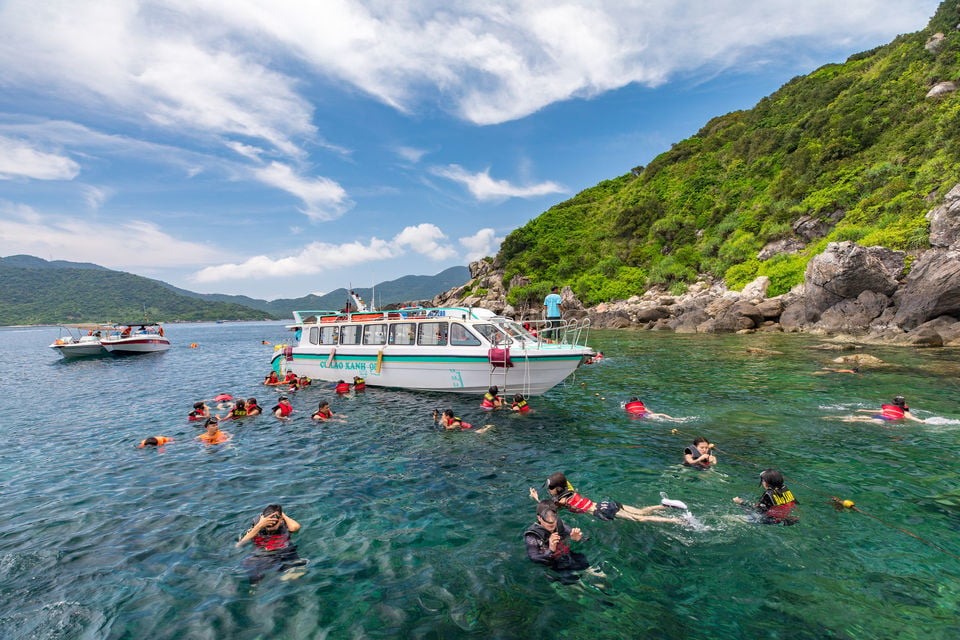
(143, 337)
(462, 350)
(80, 346)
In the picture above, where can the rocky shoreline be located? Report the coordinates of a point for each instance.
(871, 295)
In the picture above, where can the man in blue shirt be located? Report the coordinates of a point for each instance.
(553, 311)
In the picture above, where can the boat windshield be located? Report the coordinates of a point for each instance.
(515, 330)
(493, 333)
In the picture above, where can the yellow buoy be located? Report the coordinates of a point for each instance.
(848, 503)
(673, 431)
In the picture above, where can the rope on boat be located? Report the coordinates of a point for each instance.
(834, 500)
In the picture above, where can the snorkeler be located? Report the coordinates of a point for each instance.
(546, 540)
(450, 422)
(888, 412)
(491, 400)
(635, 407)
(566, 496)
(270, 534)
(777, 503)
(699, 455)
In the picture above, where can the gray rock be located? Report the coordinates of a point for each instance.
(794, 316)
(651, 314)
(777, 247)
(945, 220)
(812, 227)
(854, 316)
(845, 270)
(941, 89)
(934, 42)
(932, 289)
(756, 289)
(771, 308)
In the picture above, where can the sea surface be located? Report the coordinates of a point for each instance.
(410, 532)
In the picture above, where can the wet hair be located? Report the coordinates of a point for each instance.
(518, 397)
(557, 481)
(212, 420)
(773, 478)
(494, 390)
(323, 403)
(273, 509)
(149, 441)
(448, 413)
(241, 404)
(251, 401)
(855, 369)
(900, 402)
(198, 405)
(547, 507)
(634, 399)
(698, 440)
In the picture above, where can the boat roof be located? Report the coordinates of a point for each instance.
(418, 313)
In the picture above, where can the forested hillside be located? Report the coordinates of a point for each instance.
(50, 295)
(856, 150)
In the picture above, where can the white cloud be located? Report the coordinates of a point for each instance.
(411, 154)
(483, 187)
(481, 244)
(323, 198)
(425, 239)
(20, 160)
(96, 196)
(127, 245)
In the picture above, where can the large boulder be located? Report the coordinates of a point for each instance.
(945, 221)
(844, 271)
(932, 289)
(854, 316)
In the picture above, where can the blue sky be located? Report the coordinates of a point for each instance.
(276, 148)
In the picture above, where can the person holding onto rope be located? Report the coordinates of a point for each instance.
(450, 422)
(777, 503)
(566, 496)
(888, 413)
(547, 543)
(699, 455)
(636, 408)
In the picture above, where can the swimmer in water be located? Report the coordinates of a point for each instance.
(283, 408)
(827, 370)
(547, 539)
(566, 496)
(699, 455)
(200, 411)
(520, 404)
(450, 422)
(213, 434)
(253, 409)
(270, 534)
(636, 408)
(325, 413)
(154, 441)
(777, 503)
(887, 413)
(491, 400)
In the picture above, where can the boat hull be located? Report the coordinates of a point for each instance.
(79, 350)
(136, 344)
(534, 372)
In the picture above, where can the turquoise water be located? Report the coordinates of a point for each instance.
(415, 533)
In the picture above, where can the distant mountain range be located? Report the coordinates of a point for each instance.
(37, 291)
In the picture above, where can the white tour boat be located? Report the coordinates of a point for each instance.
(463, 350)
(80, 346)
(136, 337)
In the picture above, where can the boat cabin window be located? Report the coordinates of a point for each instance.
(350, 334)
(433, 334)
(375, 334)
(403, 333)
(493, 334)
(323, 335)
(460, 336)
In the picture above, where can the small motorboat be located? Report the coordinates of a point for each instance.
(137, 337)
(80, 346)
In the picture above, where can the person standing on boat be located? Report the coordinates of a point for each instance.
(553, 312)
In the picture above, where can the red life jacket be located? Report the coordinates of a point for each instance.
(577, 503)
(489, 401)
(636, 407)
(892, 411)
(343, 387)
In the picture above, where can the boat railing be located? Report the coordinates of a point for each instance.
(450, 313)
(573, 332)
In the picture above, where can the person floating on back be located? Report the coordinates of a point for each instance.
(491, 400)
(567, 497)
(635, 407)
(777, 504)
(699, 455)
(270, 534)
(887, 413)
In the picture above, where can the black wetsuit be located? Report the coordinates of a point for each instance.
(537, 539)
(274, 552)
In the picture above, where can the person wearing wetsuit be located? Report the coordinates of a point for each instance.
(547, 539)
(567, 497)
(270, 534)
(699, 455)
(777, 504)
